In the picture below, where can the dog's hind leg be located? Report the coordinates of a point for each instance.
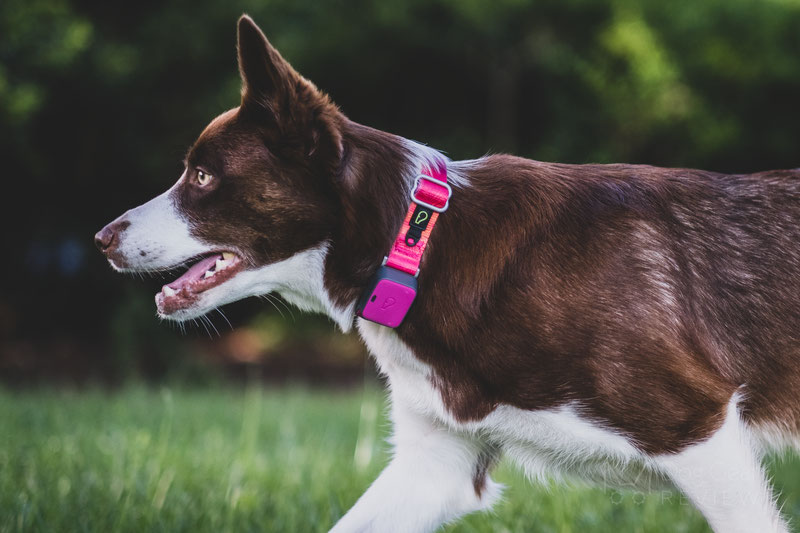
(724, 478)
(436, 476)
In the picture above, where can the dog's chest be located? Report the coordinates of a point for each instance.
(409, 378)
(559, 439)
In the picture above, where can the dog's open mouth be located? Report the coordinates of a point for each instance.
(208, 272)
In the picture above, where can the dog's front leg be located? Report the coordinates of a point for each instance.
(436, 476)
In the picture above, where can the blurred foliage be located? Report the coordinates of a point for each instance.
(99, 100)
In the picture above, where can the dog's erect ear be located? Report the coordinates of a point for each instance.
(292, 103)
(266, 76)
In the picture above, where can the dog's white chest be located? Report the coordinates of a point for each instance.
(409, 378)
(543, 441)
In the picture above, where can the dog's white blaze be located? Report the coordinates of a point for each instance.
(159, 231)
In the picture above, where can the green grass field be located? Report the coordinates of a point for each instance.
(275, 460)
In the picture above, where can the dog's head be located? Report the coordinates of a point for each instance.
(258, 189)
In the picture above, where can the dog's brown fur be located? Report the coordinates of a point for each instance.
(649, 296)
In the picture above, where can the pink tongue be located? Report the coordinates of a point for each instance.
(195, 273)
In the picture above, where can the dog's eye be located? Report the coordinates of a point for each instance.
(203, 178)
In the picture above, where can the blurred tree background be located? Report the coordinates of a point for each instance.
(99, 101)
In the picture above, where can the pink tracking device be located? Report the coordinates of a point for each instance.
(388, 298)
(392, 290)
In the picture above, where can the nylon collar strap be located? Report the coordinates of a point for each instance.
(430, 196)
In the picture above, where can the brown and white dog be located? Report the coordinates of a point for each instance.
(590, 320)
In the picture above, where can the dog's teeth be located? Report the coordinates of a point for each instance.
(227, 256)
(221, 265)
(168, 291)
(209, 273)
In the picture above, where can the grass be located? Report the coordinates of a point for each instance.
(277, 460)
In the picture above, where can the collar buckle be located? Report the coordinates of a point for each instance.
(416, 188)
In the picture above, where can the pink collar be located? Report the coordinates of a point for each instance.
(393, 289)
(430, 195)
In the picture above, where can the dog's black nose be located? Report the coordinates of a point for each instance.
(107, 238)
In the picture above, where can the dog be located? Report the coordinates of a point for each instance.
(583, 320)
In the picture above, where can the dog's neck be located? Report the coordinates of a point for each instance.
(377, 173)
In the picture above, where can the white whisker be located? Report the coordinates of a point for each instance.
(207, 319)
(218, 310)
(285, 306)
